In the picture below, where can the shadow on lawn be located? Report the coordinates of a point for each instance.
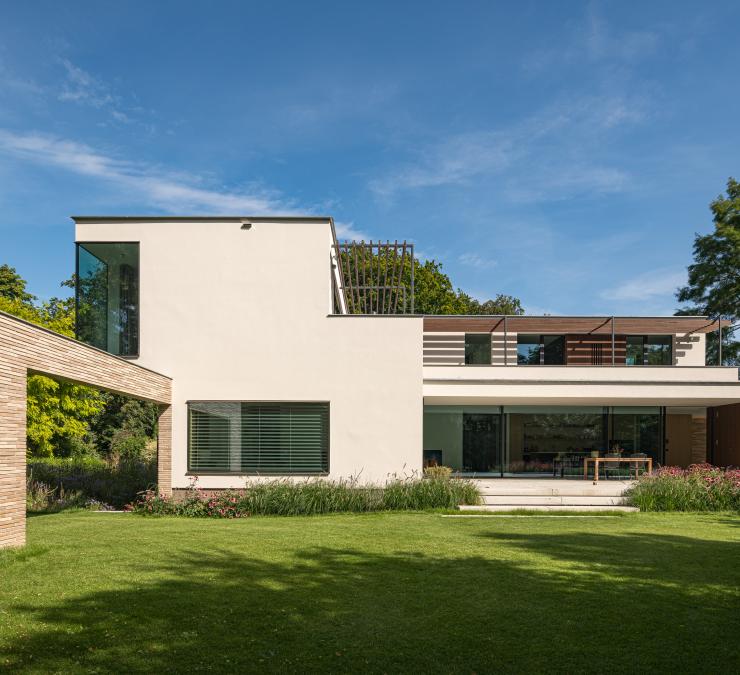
(573, 602)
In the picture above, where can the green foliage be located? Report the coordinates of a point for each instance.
(78, 481)
(701, 487)
(433, 289)
(124, 425)
(13, 286)
(714, 277)
(71, 420)
(58, 415)
(313, 497)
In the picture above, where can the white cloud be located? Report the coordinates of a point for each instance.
(647, 287)
(80, 86)
(592, 40)
(165, 190)
(347, 230)
(475, 260)
(544, 156)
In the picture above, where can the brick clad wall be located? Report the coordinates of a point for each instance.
(698, 440)
(25, 347)
(12, 454)
(164, 450)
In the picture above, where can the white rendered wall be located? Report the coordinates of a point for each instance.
(242, 315)
(689, 350)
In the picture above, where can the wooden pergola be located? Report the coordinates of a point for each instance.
(29, 349)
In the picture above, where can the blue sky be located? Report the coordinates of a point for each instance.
(561, 152)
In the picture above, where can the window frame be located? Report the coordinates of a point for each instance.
(138, 296)
(541, 346)
(643, 340)
(195, 472)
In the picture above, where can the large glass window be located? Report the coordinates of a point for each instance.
(465, 438)
(544, 440)
(649, 350)
(658, 350)
(634, 350)
(478, 349)
(535, 350)
(539, 440)
(258, 438)
(553, 347)
(637, 431)
(528, 350)
(107, 293)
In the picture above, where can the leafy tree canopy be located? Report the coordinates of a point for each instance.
(434, 292)
(13, 286)
(714, 277)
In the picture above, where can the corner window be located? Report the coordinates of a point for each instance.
(258, 438)
(649, 350)
(478, 349)
(107, 296)
(536, 350)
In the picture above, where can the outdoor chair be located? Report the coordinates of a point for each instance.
(567, 464)
(612, 468)
(637, 466)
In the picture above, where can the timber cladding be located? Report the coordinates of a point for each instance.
(724, 435)
(594, 350)
(577, 325)
(26, 348)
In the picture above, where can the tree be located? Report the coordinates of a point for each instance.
(433, 289)
(13, 286)
(714, 277)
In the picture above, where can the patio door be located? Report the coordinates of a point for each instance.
(481, 443)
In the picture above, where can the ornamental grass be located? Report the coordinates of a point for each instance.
(701, 487)
(312, 497)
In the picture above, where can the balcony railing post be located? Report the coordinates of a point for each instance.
(719, 338)
(613, 356)
(506, 342)
(412, 278)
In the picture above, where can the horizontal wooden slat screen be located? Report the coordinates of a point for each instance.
(266, 438)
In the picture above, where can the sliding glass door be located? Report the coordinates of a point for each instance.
(537, 440)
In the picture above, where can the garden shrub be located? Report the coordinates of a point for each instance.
(438, 471)
(313, 497)
(701, 487)
(87, 481)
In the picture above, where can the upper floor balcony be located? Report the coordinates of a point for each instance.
(531, 342)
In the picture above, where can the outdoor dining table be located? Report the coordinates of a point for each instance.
(597, 460)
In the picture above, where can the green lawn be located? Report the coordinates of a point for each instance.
(380, 592)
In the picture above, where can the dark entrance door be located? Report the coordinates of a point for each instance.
(482, 442)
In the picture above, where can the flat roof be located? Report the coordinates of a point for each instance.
(203, 219)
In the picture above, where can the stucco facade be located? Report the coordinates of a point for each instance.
(245, 315)
(241, 310)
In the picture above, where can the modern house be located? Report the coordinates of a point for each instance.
(292, 355)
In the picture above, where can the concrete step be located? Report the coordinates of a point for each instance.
(546, 507)
(585, 491)
(540, 500)
(551, 488)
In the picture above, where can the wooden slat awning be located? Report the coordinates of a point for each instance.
(584, 325)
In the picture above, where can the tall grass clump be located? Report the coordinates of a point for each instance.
(313, 497)
(701, 487)
(80, 481)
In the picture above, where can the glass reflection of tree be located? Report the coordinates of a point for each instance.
(92, 304)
